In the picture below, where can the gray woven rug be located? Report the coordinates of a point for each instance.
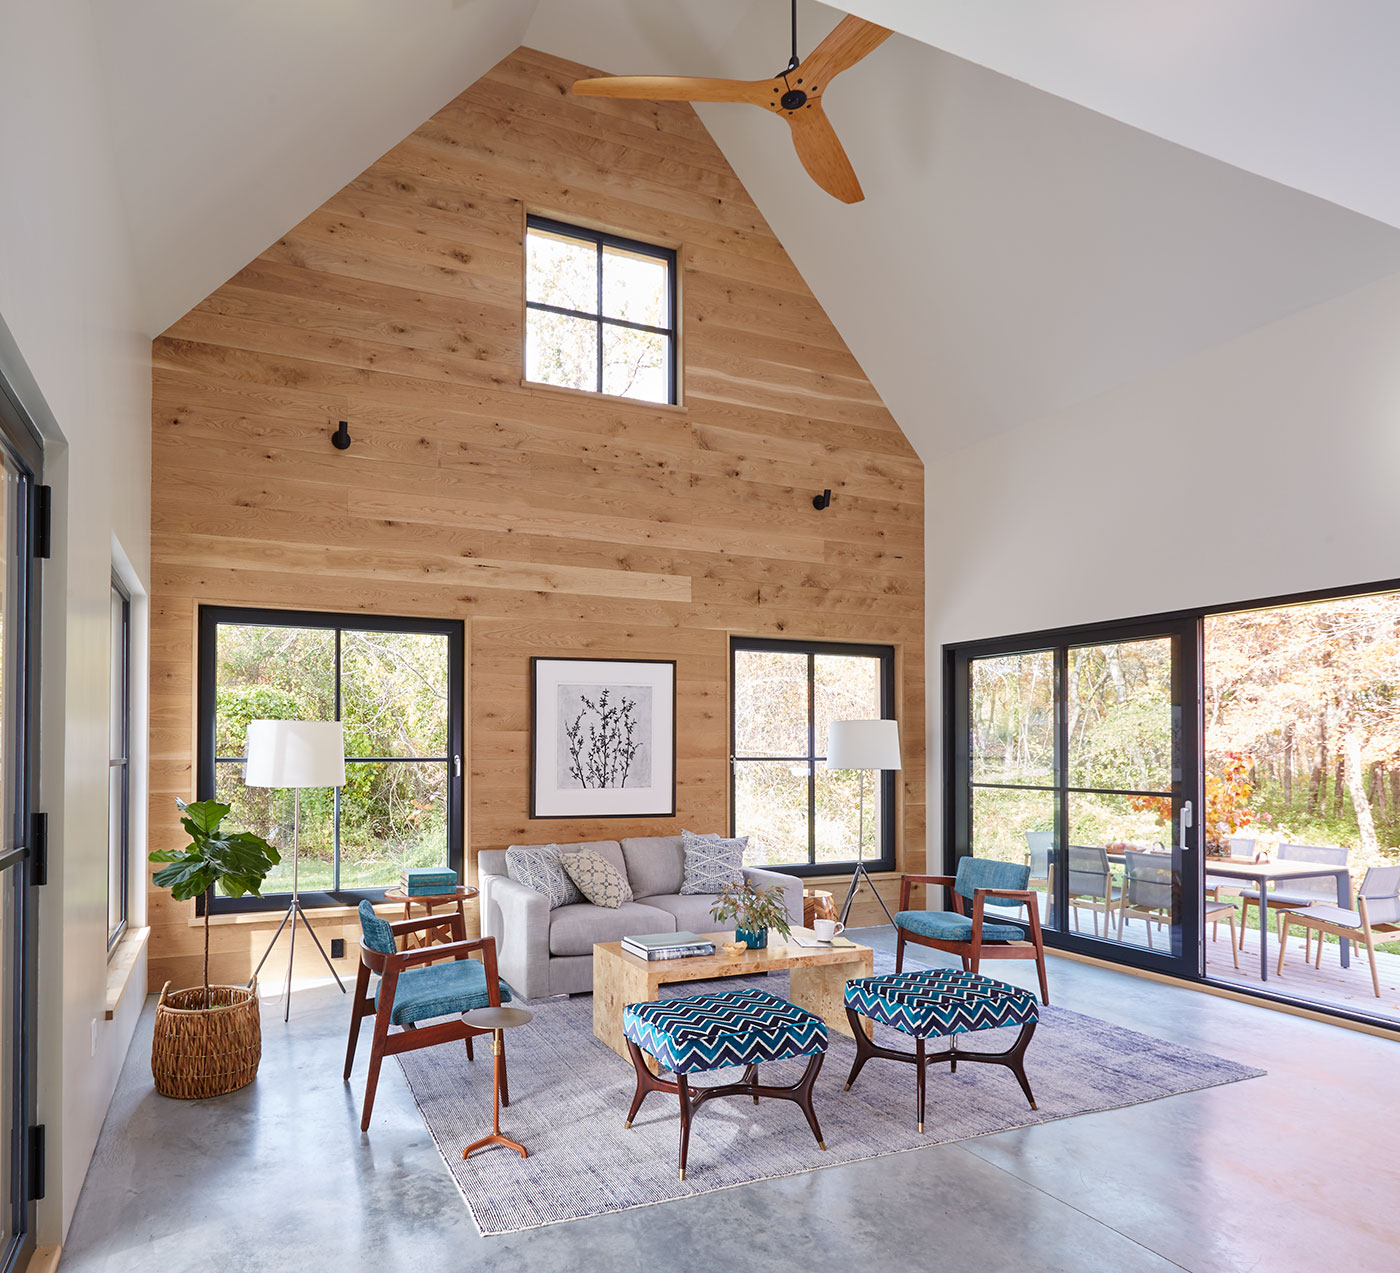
(570, 1094)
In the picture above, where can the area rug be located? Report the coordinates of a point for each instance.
(570, 1094)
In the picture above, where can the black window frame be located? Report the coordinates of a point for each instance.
(886, 787)
(601, 239)
(211, 617)
(114, 935)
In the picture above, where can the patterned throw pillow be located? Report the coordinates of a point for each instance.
(538, 867)
(598, 879)
(711, 862)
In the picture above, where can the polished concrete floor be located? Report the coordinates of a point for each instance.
(1293, 1171)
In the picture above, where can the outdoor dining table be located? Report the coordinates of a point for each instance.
(1261, 873)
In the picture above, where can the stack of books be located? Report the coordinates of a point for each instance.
(427, 881)
(667, 946)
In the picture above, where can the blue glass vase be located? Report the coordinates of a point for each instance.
(753, 938)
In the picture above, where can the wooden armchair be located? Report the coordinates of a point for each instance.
(974, 938)
(415, 985)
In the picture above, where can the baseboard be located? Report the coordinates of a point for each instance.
(1239, 996)
(44, 1259)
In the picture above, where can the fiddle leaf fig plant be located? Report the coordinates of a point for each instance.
(237, 861)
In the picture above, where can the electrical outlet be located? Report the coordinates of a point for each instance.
(94, 1036)
(337, 947)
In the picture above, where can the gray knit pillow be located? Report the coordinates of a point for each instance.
(537, 866)
(712, 862)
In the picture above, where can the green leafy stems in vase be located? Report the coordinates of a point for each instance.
(752, 911)
(237, 861)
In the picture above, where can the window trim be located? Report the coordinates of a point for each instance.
(601, 239)
(210, 617)
(888, 787)
(114, 935)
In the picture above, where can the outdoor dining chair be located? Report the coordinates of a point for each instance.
(1147, 895)
(1297, 893)
(1090, 884)
(1038, 846)
(1376, 918)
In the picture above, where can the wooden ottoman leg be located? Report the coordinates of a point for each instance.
(646, 1082)
(1016, 1057)
(920, 1066)
(751, 1076)
(864, 1048)
(683, 1088)
(802, 1094)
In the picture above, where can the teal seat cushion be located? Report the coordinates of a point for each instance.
(950, 926)
(440, 990)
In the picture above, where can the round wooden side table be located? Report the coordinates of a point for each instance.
(497, 1020)
(429, 904)
(817, 903)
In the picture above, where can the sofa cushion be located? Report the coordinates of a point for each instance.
(712, 862)
(597, 878)
(537, 866)
(655, 864)
(573, 930)
(692, 911)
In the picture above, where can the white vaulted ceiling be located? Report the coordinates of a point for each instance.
(1060, 197)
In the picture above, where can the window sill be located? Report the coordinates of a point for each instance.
(392, 909)
(122, 964)
(609, 398)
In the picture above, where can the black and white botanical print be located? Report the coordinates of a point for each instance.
(604, 736)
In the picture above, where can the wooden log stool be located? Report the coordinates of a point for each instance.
(817, 903)
(940, 1002)
(709, 1032)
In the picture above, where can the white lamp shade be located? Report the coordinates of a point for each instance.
(295, 753)
(862, 744)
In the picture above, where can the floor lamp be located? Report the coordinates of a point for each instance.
(297, 754)
(862, 745)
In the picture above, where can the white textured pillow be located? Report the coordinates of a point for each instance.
(538, 866)
(712, 862)
(597, 878)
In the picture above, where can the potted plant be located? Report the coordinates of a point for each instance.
(208, 1039)
(752, 911)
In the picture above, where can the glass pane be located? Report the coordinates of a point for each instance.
(116, 845)
(1017, 826)
(116, 683)
(770, 704)
(561, 350)
(270, 673)
(1124, 873)
(847, 687)
(636, 287)
(1119, 706)
(838, 814)
(393, 693)
(770, 807)
(392, 815)
(1013, 718)
(636, 364)
(561, 271)
(268, 811)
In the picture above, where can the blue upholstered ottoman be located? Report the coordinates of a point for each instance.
(709, 1032)
(940, 1002)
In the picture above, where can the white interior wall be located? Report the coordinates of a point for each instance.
(67, 300)
(1263, 467)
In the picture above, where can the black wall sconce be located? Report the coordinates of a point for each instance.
(340, 439)
(821, 501)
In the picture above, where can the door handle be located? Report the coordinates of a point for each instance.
(1187, 819)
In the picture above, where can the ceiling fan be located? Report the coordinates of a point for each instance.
(795, 94)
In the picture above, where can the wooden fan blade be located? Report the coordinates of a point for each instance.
(822, 154)
(674, 88)
(850, 40)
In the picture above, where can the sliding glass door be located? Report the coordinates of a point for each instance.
(1077, 752)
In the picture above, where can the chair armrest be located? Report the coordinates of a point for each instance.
(1025, 894)
(442, 950)
(401, 926)
(906, 882)
(790, 884)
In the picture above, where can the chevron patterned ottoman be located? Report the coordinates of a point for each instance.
(940, 1002)
(709, 1032)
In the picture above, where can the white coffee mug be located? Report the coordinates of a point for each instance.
(827, 929)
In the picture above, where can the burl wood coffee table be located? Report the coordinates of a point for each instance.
(817, 980)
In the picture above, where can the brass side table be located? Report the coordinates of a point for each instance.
(497, 1020)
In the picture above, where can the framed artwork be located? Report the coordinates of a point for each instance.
(603, 738)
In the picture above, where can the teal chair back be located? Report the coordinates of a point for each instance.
(975, 873)
(377, 933)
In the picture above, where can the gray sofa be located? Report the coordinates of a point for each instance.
(550, 952)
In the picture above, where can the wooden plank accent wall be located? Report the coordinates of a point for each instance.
(552, 522)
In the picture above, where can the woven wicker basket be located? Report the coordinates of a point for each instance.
(199, 1051)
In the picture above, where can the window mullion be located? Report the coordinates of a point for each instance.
(599, 257)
